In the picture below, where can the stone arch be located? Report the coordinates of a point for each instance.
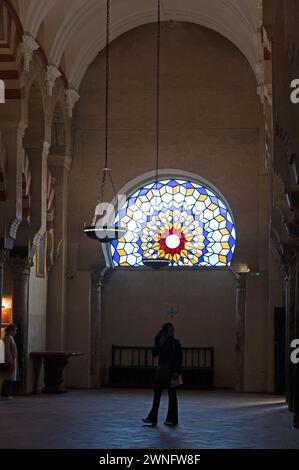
(201, 222)
(11, 32)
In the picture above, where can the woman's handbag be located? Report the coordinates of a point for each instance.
(177, 381)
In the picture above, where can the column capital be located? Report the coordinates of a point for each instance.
(72, 97)
(52, 74)
(29, 45)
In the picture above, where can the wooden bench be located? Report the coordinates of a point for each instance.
(135, 367)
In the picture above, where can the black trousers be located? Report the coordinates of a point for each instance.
(172, 414)
(7, 388)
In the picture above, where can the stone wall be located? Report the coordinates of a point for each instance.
(211, 125)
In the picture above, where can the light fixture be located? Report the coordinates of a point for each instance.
(99, 230)
(149, 261)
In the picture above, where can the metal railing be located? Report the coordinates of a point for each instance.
(141, 357)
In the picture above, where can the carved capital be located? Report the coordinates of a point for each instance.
(72, 97)
(28, 47)
(52, 74)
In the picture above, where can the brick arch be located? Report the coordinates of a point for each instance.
(11, 61)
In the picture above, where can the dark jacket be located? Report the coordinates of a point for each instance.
(170, 352)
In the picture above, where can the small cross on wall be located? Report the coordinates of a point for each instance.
(172, 312)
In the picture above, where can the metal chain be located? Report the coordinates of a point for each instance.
(106, 170)
(107, 82)
(158, 91)
(156, 218)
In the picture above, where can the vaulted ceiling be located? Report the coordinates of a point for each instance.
(72, 32)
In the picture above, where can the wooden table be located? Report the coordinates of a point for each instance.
(54, 364)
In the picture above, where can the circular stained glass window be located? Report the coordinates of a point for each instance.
(182, 221)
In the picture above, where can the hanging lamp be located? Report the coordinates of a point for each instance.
(99, 230)
(157, 263)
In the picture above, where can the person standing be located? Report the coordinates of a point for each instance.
(10, 376)
(169, 350)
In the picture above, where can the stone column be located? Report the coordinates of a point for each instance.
(240, 331)
(97, 362)
(296, 366)
(20, 270)
(56, 304)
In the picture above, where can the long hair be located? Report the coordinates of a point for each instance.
(163, 330)
(10, 328)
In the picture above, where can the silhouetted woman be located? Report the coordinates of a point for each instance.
(169, 350)
(11, 356)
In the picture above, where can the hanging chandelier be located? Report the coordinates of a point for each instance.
(158, 262)
(100, 229)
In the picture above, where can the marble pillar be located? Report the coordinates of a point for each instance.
(240, 331)
(20, 271)
(59, 166)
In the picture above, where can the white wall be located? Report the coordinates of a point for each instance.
(136, 305)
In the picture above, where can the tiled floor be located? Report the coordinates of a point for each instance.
(112, 419)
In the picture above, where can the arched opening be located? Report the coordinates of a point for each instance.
(179, 219)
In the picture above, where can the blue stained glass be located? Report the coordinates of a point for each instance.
(172, 183)
(203, 191)
(214, 200)
(132, 201)
(122, 213)
(114, 243)
(229, 225)
(231, 241)
(143, 192)
(188, 185)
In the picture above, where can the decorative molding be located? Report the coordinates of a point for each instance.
(29, 45)
(72, 97)
(52, 74)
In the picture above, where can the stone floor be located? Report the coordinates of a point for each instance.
(112, 419)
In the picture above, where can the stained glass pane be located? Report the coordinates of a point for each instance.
(179, 220)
